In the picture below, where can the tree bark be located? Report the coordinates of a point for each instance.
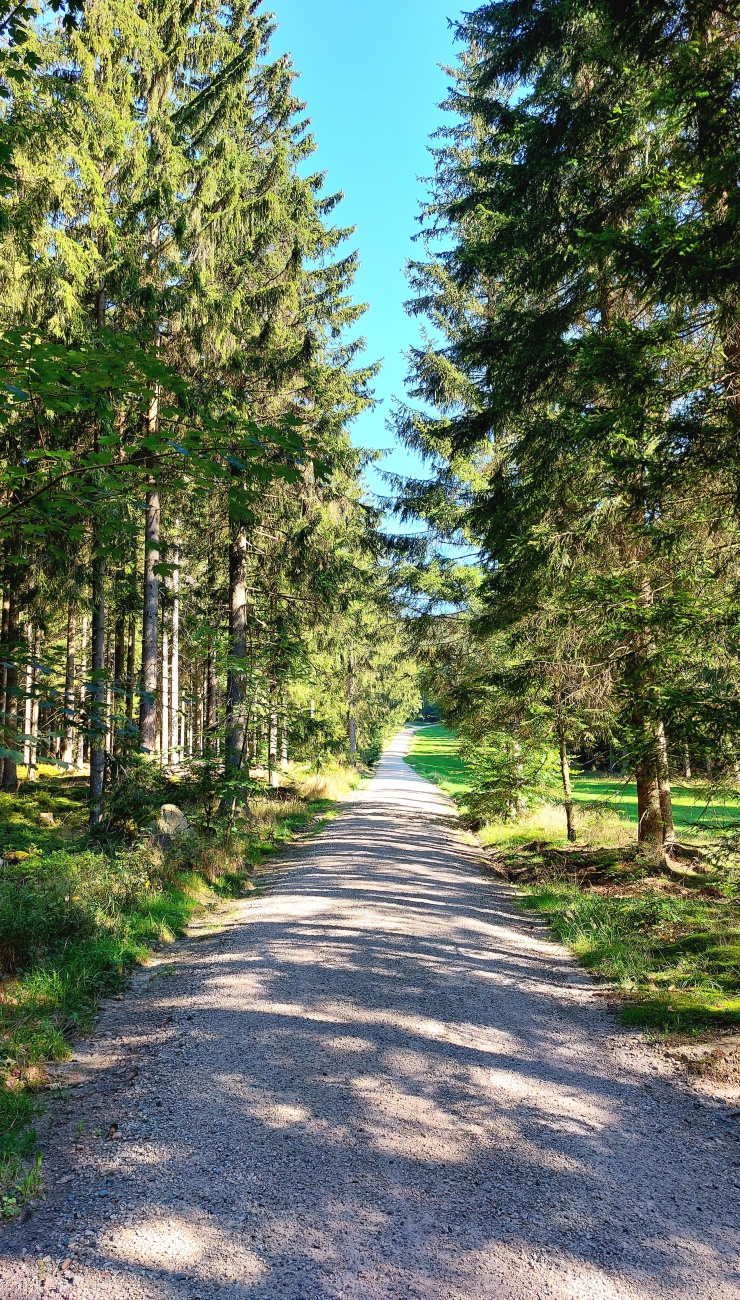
(83, 694)
(284, 737)
(650, 819)
(351, 700)
(119, 685)
(164, 694)
(68, 752)
(4, 669)
(28, 700)
(567, 789)
(109, 696)
(686, 763)
(211, 711)
(200, 711)
(10, 773)
(235, 693)
(272, 746)
(176, 754)
(96, 712)
(33, 749)
(150, 621)
(130, 669)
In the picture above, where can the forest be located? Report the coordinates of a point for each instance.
(204, 608)
(196, 608)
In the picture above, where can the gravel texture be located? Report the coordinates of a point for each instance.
(379, 1080)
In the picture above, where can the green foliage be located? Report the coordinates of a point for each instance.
(371, 754)
(507, 777)
(134, 798)
(577, 393)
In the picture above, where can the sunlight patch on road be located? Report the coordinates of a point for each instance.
(175, 1243)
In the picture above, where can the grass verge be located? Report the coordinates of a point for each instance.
(669, 944)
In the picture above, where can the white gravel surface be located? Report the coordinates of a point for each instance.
(381, 1080)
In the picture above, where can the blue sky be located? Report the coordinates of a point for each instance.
(371, 79)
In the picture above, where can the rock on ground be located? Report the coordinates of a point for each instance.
(381, 1080)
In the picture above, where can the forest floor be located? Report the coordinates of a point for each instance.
(667, 942)
(379, 1080)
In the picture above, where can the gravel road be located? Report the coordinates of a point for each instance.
(380, 1080)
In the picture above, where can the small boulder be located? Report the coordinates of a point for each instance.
(172, 821)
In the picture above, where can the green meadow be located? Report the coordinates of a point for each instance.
(435, 756)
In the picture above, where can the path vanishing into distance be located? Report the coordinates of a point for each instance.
(379, 1080)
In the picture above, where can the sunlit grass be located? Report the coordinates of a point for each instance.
(434, 754)
(677, 957)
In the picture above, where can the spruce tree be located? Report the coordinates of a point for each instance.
(578, 390)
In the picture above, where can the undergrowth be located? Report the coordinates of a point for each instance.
(76, 914)
(676, 957)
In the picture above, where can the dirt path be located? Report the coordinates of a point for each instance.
(380, 1081)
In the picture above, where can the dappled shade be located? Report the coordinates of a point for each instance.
(383, 1081)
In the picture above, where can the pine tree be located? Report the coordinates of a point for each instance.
(577, 389)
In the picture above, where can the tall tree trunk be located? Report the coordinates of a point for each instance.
(33, 747)
(272, 744)
(351, 701)
(150, 620)
(193, 709)
(130, 669)
(4, 670)
(175, 674)
(650, 819)
(567, 789)
(109, 697)
(284, 736)
(28, 700)
(96, 712)
(84, 715)
(211, 711)
(119, 675)
(235, 692)
(686, 763)
(10, 773)
(164, 695)
(650, 829)
(664, 787)
(198, 711)
(68, 751)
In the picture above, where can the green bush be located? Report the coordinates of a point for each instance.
(39, 909)
(507, 778)
(372, 753)
(134, 798)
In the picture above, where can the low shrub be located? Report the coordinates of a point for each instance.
(372, 754)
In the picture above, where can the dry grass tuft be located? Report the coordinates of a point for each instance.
(331, 784)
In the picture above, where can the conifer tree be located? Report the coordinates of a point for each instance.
(578, 389)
